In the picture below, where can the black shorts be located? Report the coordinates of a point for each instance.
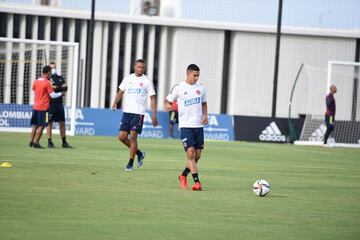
(329, 120)
(56, 113)
(131, 122)
(192, 137)
(174, 117)
(39, 118)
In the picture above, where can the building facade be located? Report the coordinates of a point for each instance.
(236, 61)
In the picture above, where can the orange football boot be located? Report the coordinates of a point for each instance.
(183, 182)
(197, 187)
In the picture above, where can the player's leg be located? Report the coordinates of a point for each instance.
(186, 171)
(131, 123)
(32, 135)
(133, 148)
(171, 130)
(327, 133)
(61, 119)
(39, 132)
(329, 127)
(133, 143)
(52, 115)
(33, 123)
(184, 134)
(65, 144)
(49, 133)
(123, 137)
(198, 145)
(41, 122)
(189, 138)
(171, 123)
(197, 155)
(190, 154)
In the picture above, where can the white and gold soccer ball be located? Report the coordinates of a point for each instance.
(261, 187)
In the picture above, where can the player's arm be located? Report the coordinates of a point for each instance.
(63, 86)
(56, 95)
(52, 93)
(171, 98)
(168, 105)
(328, 102)
(204, 118)
(153, 109)
(118, 96)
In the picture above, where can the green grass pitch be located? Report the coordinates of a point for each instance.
(84, 193)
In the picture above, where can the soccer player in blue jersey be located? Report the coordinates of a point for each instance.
(56, 111)
(330, 112)
(192, 110)
(135, 88)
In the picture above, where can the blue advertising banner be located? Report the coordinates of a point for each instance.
(14, 115)
(220, 127)
(105, 122)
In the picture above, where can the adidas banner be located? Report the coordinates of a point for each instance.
(265, 129)
(345, 132)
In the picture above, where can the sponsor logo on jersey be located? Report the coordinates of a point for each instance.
(192, 101)
(272, 134)
(134, 90)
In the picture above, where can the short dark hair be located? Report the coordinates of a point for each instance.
(52, 63)
(193, 67)
(46, 69)
(140, 61)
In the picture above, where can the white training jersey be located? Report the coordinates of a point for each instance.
(136, 89)
(189, 98)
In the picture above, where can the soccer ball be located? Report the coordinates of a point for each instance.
(261, 187)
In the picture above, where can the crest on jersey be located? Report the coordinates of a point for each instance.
(198, 92)
(141, 84)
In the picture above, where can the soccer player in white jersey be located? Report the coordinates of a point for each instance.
(192, 110)
(135, 88)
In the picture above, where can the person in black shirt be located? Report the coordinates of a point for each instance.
(56, 111)
(330, 112)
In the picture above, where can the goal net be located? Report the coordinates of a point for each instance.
(21, 62)
(345, 76)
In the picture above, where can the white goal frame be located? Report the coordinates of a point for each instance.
(329, 75)
(74, 81)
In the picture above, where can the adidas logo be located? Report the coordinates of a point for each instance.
(319, 133)
(272, 134)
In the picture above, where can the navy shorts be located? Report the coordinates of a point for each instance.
(192, 137)
(329, 120)
(39, 118)
(56, 113)
(174, 117)
(131, 122)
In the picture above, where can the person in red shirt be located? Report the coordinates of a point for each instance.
(174, 118)
(43, 91)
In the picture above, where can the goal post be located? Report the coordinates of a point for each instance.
(21, 62)
(345, 76)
